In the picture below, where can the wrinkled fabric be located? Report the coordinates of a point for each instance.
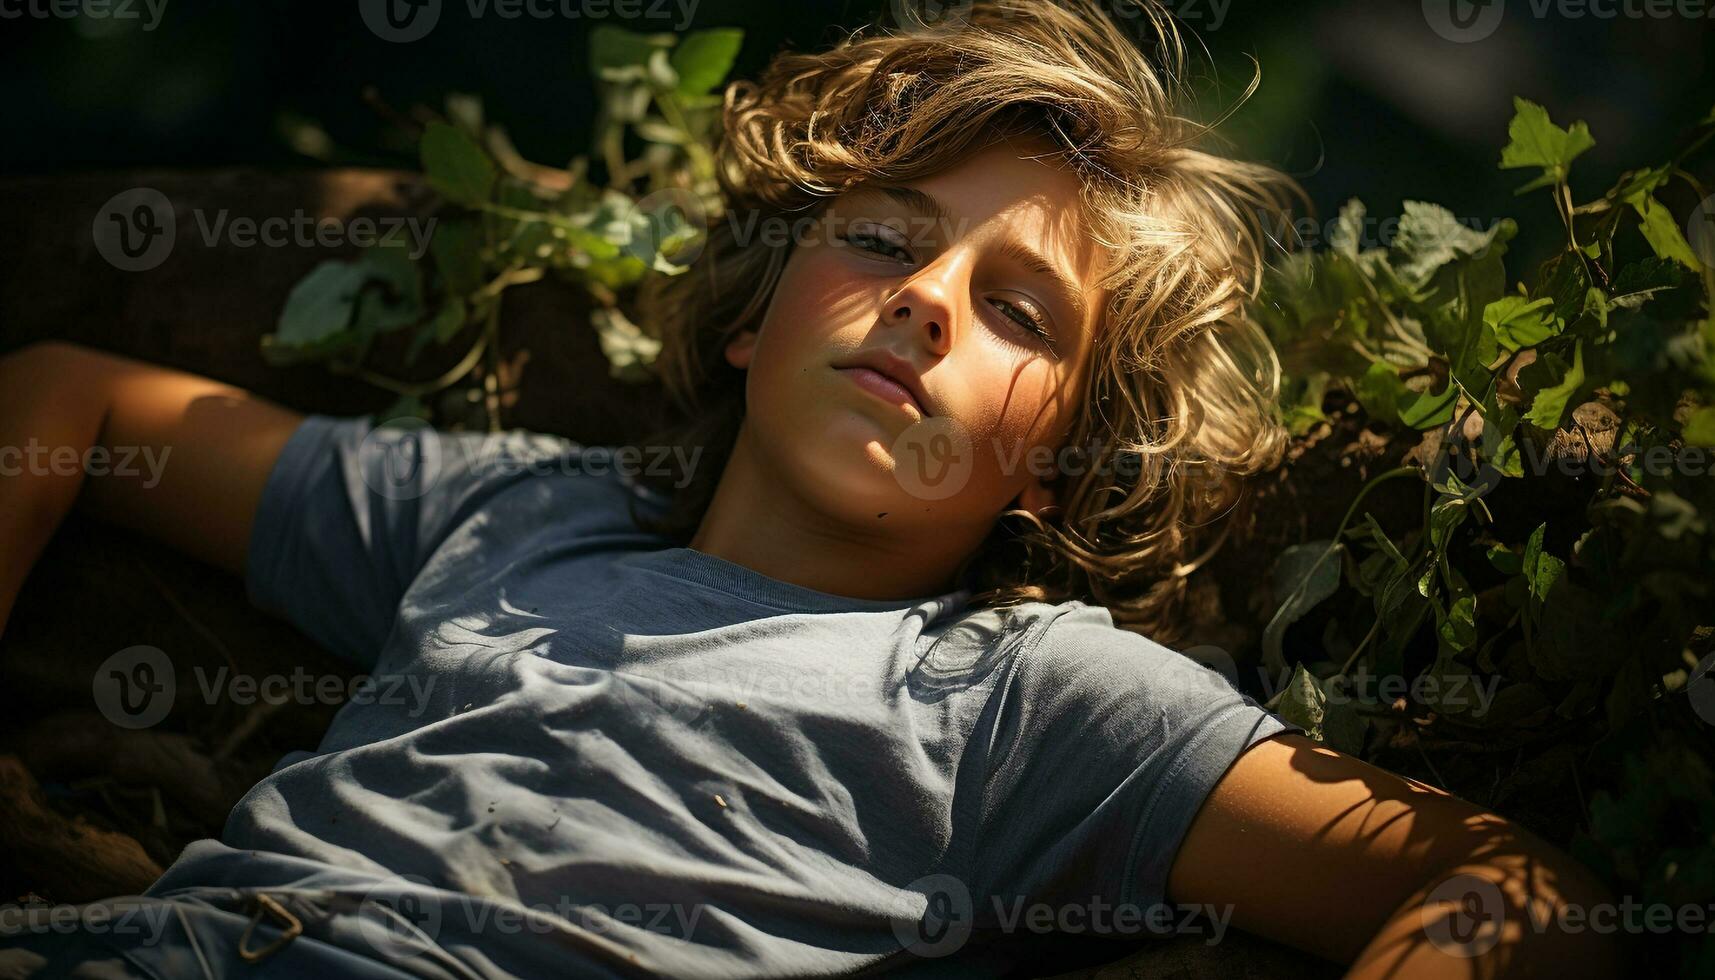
(586, 752)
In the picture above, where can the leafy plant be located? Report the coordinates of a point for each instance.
(1592, 623)
(505, 222)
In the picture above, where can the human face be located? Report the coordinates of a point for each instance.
(972, 288)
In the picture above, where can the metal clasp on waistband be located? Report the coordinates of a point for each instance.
(293, 929)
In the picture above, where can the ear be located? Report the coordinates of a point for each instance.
(741, 348)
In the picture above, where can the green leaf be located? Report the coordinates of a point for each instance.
(1565, 279)
(1380, 392)
(1663, 233)
(1304, 575)
(1549, 406)
(456, 165)
(319, 308)
(1518, 322)
(1537, 142)
(1302, 401)
(399, 300)
(442, 327)
(1430, 236)
(1541, 569)
(1505, 560)
(457, 248)
(1348, 234)
(1445, 518)
(1700, 427)
(629, 350)
(704, 58)
(1459, 628)
(1303, 703)
(615, 48)
(1643, 280)
(1426, 410)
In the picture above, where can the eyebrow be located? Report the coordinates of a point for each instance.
(1027, 257)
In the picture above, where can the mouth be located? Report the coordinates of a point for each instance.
(883, 387)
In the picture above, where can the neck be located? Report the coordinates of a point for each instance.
(756, 520)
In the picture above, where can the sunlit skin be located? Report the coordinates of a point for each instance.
(815, 460)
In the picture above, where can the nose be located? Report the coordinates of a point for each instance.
(926, 305)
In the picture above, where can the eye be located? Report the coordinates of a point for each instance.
(1029, 317)
(878, 240)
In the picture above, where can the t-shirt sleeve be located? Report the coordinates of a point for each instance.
(1106, 745)
(351, 512)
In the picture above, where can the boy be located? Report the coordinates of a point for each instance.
(812, 713)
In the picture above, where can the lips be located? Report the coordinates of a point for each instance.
(887, 376)
(882, 386)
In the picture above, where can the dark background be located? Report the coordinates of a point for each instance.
(1358, 97)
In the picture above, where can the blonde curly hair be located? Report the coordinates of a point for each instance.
(1182, 388)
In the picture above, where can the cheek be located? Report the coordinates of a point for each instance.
(814, 300)
(1015, 401)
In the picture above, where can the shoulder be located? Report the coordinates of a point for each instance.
(406, 457)
(1076, 644)
(1076, 672)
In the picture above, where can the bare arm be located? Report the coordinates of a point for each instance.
(1325, 852)
(180, 457)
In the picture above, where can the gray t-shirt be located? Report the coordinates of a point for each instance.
(587, 752)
